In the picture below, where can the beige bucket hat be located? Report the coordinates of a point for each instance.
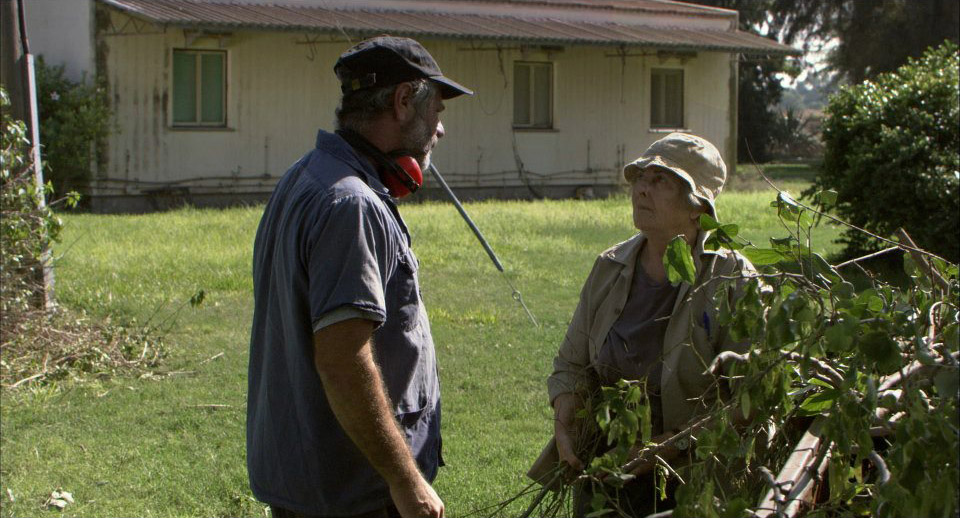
(692, 158)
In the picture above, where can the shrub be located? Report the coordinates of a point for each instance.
(46, 346)
(26, 227)
(74, 124)
(891, 153)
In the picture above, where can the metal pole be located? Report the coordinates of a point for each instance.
(486, 246)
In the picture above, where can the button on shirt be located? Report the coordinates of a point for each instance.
(331, 246)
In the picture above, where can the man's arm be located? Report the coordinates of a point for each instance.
(351, 380)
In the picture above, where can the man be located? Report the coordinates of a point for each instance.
(343, 411)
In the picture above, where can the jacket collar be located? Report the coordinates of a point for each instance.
(626, 254)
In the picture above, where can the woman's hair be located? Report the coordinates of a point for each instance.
(358, 108)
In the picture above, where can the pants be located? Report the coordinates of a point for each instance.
(387, 512)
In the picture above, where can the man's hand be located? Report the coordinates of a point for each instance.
(564, 411)
(343, 358)
(417, 501)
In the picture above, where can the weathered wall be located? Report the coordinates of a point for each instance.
(280, 91)
(62, 32)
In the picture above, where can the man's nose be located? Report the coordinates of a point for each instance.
(439, 129)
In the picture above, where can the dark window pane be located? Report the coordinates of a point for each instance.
(521, 94)
(656, 99)
(184, 87)
(541, 95)
(211, 104)
(666, 98)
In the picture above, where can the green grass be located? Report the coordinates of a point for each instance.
(149, 447)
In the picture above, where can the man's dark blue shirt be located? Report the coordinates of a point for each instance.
(331, 246)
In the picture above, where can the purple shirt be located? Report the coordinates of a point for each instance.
(633, 349)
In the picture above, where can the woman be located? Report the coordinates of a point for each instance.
(631, 323)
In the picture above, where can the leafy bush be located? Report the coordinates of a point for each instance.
(26, 227)
(74, 125)
(872, 373)
(42, 346)
(891, 153)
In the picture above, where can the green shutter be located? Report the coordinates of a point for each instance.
(184, 87)
(211, 87)
(521, 94)
(674, 99)
(543, 117)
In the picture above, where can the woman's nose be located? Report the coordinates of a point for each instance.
(439, 129)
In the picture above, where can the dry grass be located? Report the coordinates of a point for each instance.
(39, 347)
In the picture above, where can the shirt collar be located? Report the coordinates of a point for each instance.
(335, 145)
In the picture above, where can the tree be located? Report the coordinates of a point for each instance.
(891, 153)
(877, 36)
(759, 84)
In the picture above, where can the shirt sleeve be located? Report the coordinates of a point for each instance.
(350, 255)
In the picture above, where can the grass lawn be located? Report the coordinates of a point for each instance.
(155, 446)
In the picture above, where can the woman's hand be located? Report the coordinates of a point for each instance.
(564, 411)
(647, 464)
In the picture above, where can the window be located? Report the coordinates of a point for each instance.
(199, 88)
(666, 98)
(533, 95)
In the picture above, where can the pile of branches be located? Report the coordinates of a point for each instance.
(848, 391)
(41, 347)
(38, 342)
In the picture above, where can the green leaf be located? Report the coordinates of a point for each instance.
(839, 337)
(948, 384)
(762, 256)
(828, 198)
(730, 230)
(707, 222)
(678, 262)
(819, 402)
(745, 404)
(881, 350)
(820, 383)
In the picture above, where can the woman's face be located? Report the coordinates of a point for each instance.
(660, 203)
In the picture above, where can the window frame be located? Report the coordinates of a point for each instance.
(661, 73)
(198, 89)
(531, 95)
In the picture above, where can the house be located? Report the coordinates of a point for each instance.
(214, 99)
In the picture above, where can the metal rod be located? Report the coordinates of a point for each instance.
(463, 212)
(483, 241)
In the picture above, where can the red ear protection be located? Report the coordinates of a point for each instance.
(400, 186)
(401, 175)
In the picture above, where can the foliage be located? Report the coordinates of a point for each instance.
(55, 347)
(758, 88)
(150, 444)
(74, 124)
(792, 137)
(877, 368)
(879, 36)
(27, 225)
(41, 346)
(891, 152)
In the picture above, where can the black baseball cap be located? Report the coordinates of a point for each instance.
(388, 60)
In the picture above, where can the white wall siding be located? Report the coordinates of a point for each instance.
(277, 98)
(62, 32)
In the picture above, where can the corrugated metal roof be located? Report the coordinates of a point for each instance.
(454, 25)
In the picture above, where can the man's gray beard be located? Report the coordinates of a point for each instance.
(416, 137)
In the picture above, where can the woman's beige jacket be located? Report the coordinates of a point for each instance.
(692, 337)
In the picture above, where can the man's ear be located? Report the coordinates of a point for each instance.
(403, 109)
